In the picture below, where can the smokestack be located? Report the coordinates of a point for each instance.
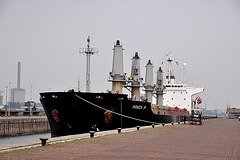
(19, 75)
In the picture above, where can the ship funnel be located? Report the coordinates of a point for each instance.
(135, 78)
(149, 86)
(170, 77)
(117, 74)
(159, 86)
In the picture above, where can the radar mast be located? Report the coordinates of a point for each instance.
(88, 51)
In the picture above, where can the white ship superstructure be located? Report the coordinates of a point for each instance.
(178, 95)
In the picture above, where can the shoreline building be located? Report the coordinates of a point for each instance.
(1, 99)
(233, 113)
(18, 94)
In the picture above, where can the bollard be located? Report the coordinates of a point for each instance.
(153, 125)
(172, 123)
(92, 134)
(178, 122)
(163, 124)
(119, 130)
(138, 127)
(44, 141)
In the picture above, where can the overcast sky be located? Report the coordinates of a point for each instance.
(45, 36)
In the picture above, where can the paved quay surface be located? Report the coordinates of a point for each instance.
(215, 139)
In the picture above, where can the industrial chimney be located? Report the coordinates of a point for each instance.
(18, 94)
(19, 75)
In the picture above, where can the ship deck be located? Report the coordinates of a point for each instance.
(215, 139)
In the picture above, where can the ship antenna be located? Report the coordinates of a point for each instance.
(88, 51)
(169, 59)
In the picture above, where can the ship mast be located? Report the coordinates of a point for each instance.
(170, 78)
(183, 74)
(88, 51)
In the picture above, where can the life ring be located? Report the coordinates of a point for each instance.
(199, 100)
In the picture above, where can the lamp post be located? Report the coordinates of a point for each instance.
(121, 99)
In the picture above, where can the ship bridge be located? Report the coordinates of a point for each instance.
(179, 95)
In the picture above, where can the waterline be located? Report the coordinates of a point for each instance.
(26, 138)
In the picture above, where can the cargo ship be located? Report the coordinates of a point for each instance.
(76, 112)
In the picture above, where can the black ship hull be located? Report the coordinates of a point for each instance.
(77, 112)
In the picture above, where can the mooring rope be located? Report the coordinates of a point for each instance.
(115, 112)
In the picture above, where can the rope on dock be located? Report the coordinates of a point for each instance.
(115, 112)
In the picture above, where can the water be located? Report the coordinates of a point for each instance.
(20, 139)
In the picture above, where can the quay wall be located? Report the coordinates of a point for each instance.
(23, 126)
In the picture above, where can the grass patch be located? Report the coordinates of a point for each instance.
(22, 151)
(17, 147)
